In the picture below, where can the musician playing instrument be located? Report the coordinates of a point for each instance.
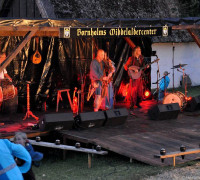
(136, 85)
(107, 101)
(97, 68)
(164, 83)
(3, 74)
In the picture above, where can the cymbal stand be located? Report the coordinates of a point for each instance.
(29, 113)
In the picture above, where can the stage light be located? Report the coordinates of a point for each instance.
(98, 148)
(182, 149)
(162, 152)
(188, 98)
(147, 94)
(57, 142)
(77, 145)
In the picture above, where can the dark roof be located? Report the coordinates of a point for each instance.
(142, 22)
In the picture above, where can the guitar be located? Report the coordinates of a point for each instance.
(36, 58)
(135, 71)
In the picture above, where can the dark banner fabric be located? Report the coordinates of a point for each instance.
(65, 63)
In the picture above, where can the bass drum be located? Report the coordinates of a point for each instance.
(10, 105)
(177, 97)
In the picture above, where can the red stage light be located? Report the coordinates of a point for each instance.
(147, 94)
(188, 98)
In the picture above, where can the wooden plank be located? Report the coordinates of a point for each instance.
(178, 153)
(23, 33)
(130, 42)
(13, 54)
(194, 36)
(185, 27)
(28, 28)
(66, 147)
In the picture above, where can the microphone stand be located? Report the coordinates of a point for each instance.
(158, 75)
(173, 64)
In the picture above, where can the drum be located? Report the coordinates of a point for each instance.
(8, 89)
(177, 97)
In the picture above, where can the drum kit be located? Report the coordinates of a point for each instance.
(177, 97)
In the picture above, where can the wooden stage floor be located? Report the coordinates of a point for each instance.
(139, 138)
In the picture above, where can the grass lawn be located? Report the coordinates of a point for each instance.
(109, 167)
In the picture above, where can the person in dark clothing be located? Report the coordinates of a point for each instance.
(133, 65)
(21, 138)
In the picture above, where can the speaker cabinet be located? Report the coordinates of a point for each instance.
(164, 111)
(193, 104)
(115, 117)
(91, 119)
(57, 121)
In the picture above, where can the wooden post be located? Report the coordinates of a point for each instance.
(89, 160)
(14, 53)
(130, 43)
(174, 161)
(194, 36)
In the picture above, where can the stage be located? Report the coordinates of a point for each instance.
(139, 138)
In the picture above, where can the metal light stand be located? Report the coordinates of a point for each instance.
(158, 75)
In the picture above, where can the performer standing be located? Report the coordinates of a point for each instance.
(97, 68)
(107, 102)
(136, 85)
(164, 83)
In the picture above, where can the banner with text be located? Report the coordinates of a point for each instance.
(71, 32)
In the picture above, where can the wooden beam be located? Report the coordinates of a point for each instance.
(130, 42)
(13, 54)
(23, 33)
(28, 28)
(66, 147)
(185, 27)
(194, 36)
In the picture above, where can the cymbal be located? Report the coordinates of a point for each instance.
(179, 65)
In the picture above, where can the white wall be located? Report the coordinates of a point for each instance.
(184, 53)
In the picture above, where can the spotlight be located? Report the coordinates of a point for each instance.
(162, 152)
(57, 142)
(147, 94)
(182, 149)
(188, 98)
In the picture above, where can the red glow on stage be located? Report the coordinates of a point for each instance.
(123, 90)
(147, 94)
(188, 98)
